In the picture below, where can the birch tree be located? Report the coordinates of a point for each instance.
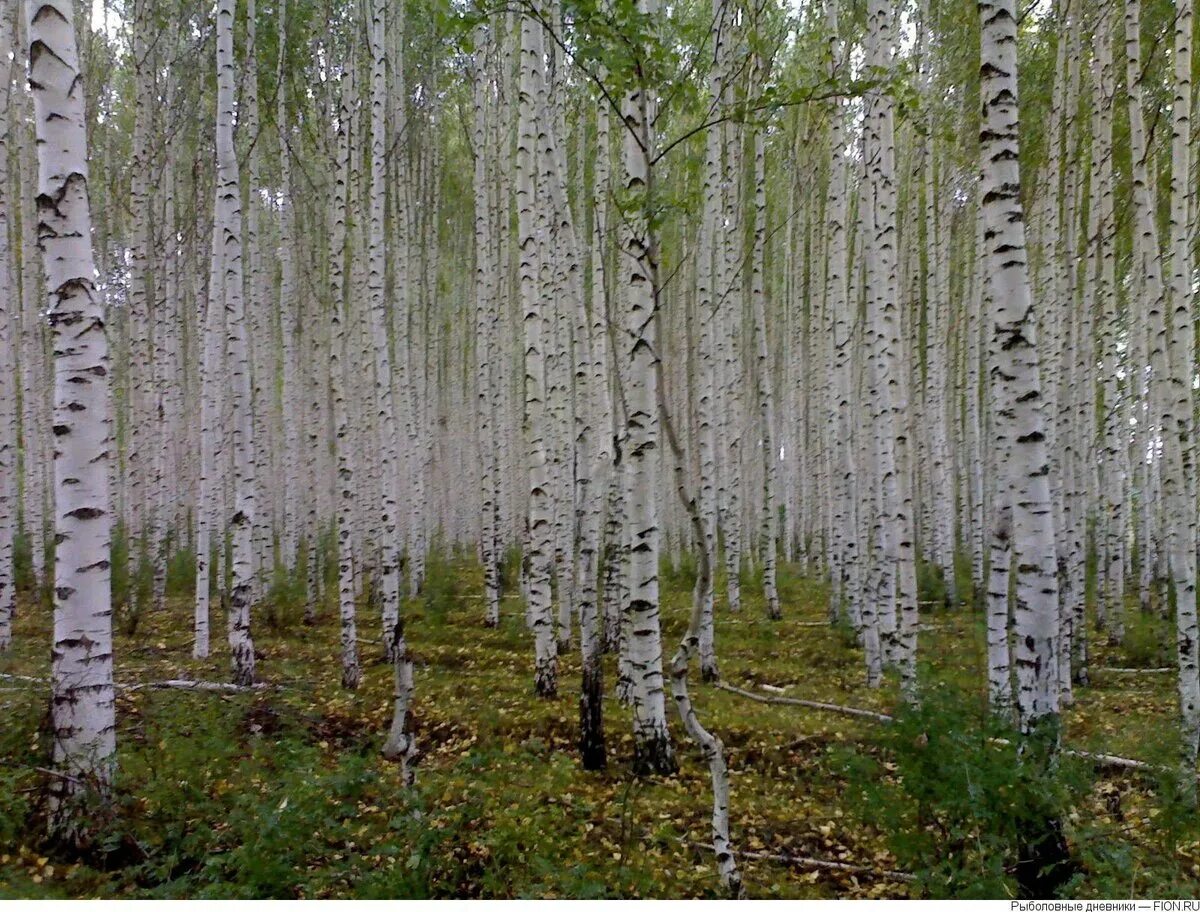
(540, 517)
(1020, 418)
(8, 392)
(389, 570)
(338, 374)
(639, 351)
(227, 255)
(1179, 486)
(766, 397)
(82, 698)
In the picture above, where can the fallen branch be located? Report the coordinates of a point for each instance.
(1115, 762)
(809, 704)
(828, 625)
(820, 864)
(207, 686)
(1111, 761)
(60, 775)
(1104, 760)
(1133, 671)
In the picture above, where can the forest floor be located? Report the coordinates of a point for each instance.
(283, 792)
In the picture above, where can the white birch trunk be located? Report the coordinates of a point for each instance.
(339, 384)
(8, 385)
(642, 455)
(82, 700)
(540, 516)
(486, 289)
(1114, 423)
(289, 308)
(1148, 298)
(769, 543)
(1178, 411)
(1021, 416)
(229, 222)
(389, 575)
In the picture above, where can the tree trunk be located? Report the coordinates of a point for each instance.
(8, 386)
(339, 383)
(652, 745)
(82, 701)
(540, 519)
(228, 231)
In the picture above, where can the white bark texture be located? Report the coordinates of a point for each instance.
(642, 454)
(1021, 419)
(539, 527)
(82, 700)
(8, 385)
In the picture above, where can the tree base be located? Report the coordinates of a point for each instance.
(1044, 863)
(79, 812)
(243, 673)
(610, 642)
(545, 679)
(624, 691)
(591, 718)
(653, 756)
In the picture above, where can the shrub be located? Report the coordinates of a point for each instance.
(1149, 641)
(442, 591)
(510, 568)
(132, 581)
(682, 572)
(954, 801)
(22, 562)
(931, 585)
(286, 596)
(181, 573)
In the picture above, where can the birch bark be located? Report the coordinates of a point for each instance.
(228, 248)
(1021, 414)
(82, 698)
(639, 350)
(540, 516)
(8, 386)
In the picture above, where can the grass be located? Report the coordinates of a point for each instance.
(284, 793)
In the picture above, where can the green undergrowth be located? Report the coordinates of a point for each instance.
(283, 792)
(956, 798)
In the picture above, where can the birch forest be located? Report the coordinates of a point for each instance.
(599, 448)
